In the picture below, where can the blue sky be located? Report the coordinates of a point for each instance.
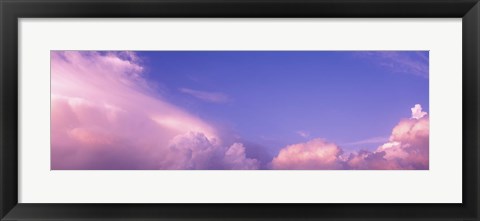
(270, 99)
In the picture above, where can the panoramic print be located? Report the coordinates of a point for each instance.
(239, 110)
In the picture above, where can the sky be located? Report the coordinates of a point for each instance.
(240, 110)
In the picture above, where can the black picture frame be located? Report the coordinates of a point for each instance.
(12, 10)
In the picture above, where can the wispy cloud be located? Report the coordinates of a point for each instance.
(212, 97)
(372, 140)
(303, 134)
(405, 62)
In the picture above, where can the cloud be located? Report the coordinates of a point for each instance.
(195, 151)
(417, 112)
(105, 116)
(303, 134)
(365, 160)
(406, 149)
(235, 158)
(212, 97)
(409, 144)
(315, 154)
(406, 62)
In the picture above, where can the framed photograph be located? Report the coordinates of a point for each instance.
(239, 110)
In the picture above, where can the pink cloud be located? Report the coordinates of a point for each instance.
(312, 155)
(409, 144)
(417, 112)
(406, 149)
(106, 116)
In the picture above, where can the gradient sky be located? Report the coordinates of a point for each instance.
(272, 98)
(263, 100)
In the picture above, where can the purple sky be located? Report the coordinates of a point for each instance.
(263, 101)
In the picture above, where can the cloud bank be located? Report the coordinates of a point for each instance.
(406, 149)
(106, 116)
